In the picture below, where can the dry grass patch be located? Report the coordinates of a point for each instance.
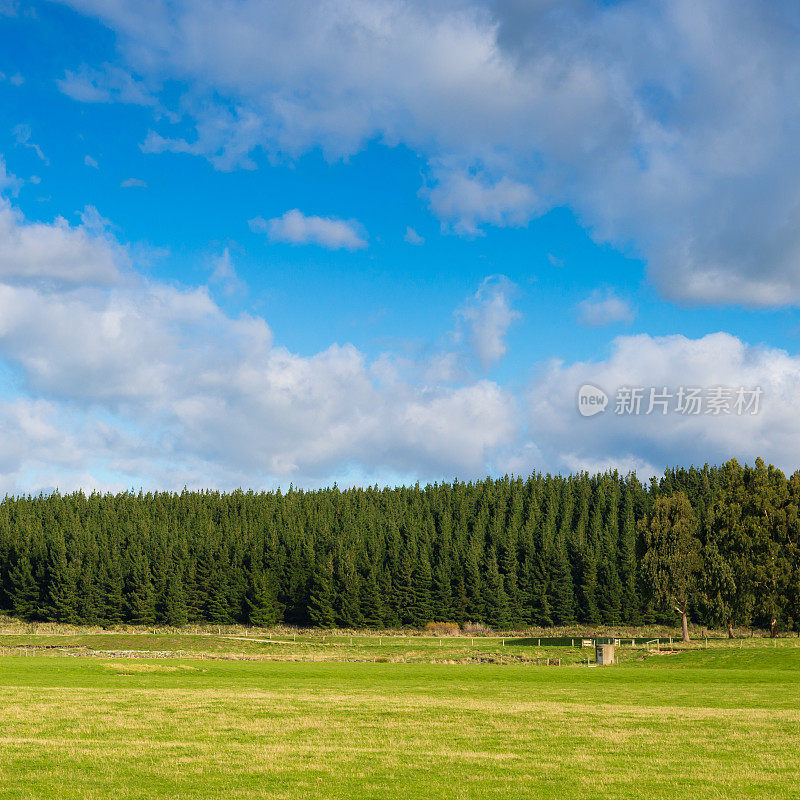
(137, 666)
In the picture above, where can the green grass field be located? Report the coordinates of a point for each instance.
(378, 720)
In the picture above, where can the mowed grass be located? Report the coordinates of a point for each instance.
(717, 723)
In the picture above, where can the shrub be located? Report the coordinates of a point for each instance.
(442, 628)
(475, 629)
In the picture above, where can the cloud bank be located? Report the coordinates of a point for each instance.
(122, 381)
(129, 381)
(669, 127)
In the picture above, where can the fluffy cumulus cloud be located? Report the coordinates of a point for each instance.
(56, 252)
(294, 227)
(120, 381)
(718, 365)
(126, 381)
(669, 126)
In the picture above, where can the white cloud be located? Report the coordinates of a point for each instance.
(485, 319)
(604, 308)
(565, 440)
(223, 273)
(90, 162)
(467, 201)
(295, 227)
(56, 252)
(669, 127)
(133, 183)
(106, 85)
(23, 134)
(131, 382)
(8, 183)
(225, 136)
(16, 79)
(412, 237)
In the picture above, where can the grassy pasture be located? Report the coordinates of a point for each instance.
(356, 722)
(395, 649)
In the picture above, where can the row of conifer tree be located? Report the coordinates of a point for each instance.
(546, 550)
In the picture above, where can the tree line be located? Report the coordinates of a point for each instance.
(718, 545)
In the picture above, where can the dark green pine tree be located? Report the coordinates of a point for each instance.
(420, 610)
(261, 599)
(62, 583)
(403, 590)
(387, 593)
(563, 589)
(174, 613)
(88, 606)
(218, 608)
(538, 541)
(24, 591)
(140, 603)
(609, 592)
(370, 600)
(494, 594)
(111, 583)
(588, 594)
(476, 605)
(630, 610)
(540, 611)
(347, 586)
(195, 599)
(442, 593)
(507, 564)
(198, 583)
(321, 596)
(458, 593)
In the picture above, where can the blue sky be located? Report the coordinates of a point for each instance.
(257, 243)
